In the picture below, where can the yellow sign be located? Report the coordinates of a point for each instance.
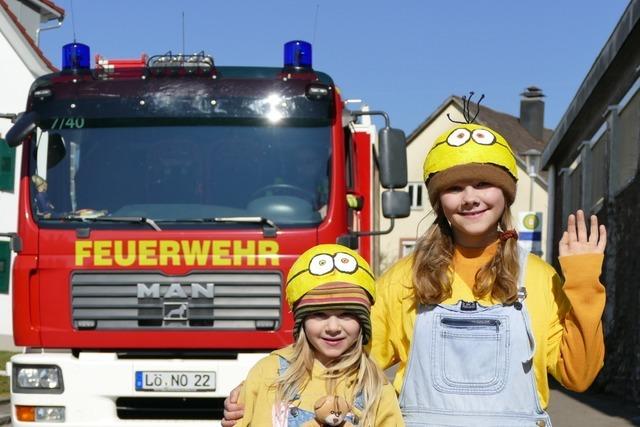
(156, 253)
(531, 221)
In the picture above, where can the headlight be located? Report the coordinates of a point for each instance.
(40, 379)
(47, 414)
(51, 414)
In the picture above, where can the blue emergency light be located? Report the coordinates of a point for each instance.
(297, 54)
(75, 56)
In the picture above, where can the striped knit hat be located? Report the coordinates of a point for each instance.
(335, 296)
(329, 277)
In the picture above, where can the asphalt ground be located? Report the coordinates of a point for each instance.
(590, 409)
(5, 411)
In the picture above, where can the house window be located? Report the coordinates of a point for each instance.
(571, 188)
(625, 148)
(406, 247)
(575, 187)
(597, 171)
(594, 170)
(7, 167)
(416, 192)
(5, 262)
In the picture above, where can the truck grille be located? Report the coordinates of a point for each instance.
(218, 301)
(169, 408)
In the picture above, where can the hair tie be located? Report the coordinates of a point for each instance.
(509, 234)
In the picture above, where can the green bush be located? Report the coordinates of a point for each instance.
(4, 381)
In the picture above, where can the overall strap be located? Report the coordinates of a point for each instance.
(359, 402)
(523, 257)
(283, 366)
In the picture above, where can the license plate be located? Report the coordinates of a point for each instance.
(175, 381)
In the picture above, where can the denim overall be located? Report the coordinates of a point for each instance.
(472, 365)
(296, 417)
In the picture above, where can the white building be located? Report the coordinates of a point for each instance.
(21, 22)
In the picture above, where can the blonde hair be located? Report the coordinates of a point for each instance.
(354, 362)
(432, 264)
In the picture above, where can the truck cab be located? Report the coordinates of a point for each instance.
(162, 202)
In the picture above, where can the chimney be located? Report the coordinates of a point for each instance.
(532, 111)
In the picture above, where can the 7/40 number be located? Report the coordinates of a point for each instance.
(68, 123)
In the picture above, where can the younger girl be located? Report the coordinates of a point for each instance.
(475, 323)
(326, 372)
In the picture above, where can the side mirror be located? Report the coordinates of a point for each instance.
(25, 124)
(392, 157)
(396, 204)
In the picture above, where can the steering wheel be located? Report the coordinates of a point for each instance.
(285, 189)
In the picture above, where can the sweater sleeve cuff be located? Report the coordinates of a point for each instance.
(581, 268)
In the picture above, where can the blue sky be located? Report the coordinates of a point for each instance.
(404, 57)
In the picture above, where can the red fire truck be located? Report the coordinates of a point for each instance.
(162, 201)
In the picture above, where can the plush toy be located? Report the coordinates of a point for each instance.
(43, 206)
(331, 411)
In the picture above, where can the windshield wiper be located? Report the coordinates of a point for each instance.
(126, 219)
(246, 219)
(269, 228)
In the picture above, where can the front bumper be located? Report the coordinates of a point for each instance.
(99, 390)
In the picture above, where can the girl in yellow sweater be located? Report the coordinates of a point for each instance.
(474, 322)
(326, 377)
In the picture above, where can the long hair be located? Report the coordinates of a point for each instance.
(354, 363)
(432, 264)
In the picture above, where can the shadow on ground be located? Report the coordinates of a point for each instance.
(605, 403)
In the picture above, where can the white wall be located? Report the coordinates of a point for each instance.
(15, 80)
(419, 221)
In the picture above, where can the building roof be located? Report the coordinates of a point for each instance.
(58, 11)
(600, 66)
(20, 39)
(505, 124)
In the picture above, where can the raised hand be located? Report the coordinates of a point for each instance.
(575, 239)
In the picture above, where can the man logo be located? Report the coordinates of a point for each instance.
(175, 290)
(176, 311)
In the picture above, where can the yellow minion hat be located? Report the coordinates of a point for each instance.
(328, 277)
(328, 263)
(470, 151)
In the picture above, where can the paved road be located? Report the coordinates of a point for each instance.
(567, 410)
(5, 411)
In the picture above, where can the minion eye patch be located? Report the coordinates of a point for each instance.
(483, 136)
(461, 136)
(328, 263)
(322, 264)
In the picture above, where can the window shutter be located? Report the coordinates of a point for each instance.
(7, 167)
(5, 266)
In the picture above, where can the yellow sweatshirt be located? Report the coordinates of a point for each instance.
(566, 319)
(258, 396)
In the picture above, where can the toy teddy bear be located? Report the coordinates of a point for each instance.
(330, 411)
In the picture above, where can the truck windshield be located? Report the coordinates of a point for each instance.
(177, 173)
